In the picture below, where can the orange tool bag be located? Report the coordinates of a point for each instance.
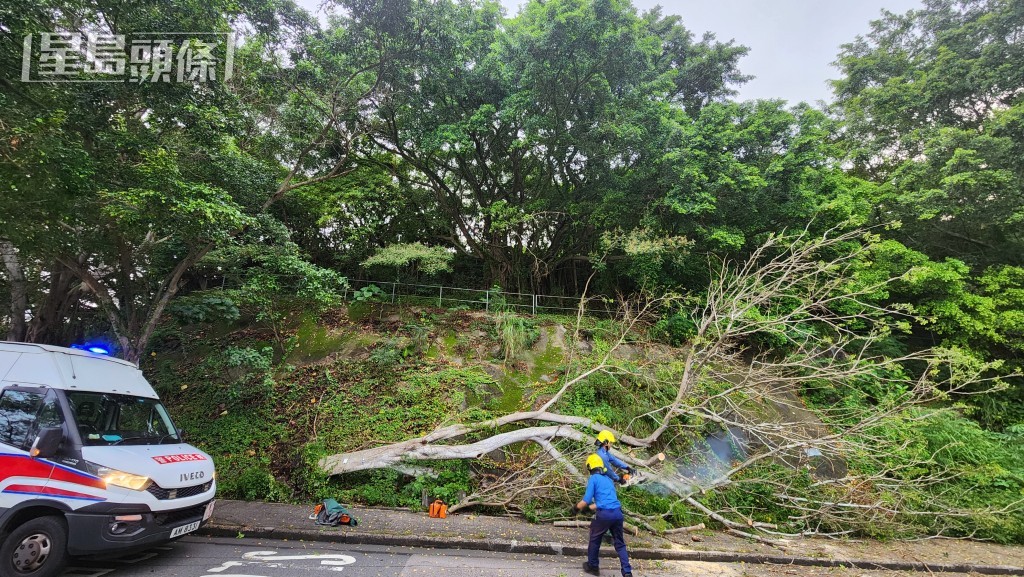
(438, 510)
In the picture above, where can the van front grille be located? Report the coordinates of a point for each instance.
(179, 493)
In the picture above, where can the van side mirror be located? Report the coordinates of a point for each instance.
(47, 443)
(181, 435)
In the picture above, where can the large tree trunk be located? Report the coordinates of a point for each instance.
(19, 291)
(62, 296)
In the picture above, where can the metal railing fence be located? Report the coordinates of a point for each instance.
(486, 299)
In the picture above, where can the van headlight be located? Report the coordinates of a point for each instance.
(122, 479)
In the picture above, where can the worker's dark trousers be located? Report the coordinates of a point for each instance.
(608, 520)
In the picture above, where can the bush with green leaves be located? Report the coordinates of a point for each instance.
(280, 286)
(390, 352)
(368, 293)
(428, 260)
(247, 372)
(204, 307)
(252, 483)
(675, 329)
(445, 480)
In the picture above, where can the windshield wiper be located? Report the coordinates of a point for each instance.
(161, 440)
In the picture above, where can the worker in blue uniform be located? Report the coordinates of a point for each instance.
(604, 442)
(601, 495)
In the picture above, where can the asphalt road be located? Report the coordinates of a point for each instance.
(213, 557)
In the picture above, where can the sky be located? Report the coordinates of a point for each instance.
(792, 42)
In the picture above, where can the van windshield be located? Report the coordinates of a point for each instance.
(111, 419)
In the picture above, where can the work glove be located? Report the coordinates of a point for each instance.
(575, 511)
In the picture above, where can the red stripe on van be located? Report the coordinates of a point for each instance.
(51, 492)
(24, 466)
(72, 476)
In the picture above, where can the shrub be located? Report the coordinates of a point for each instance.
(515, 333)
(675, 329)
(204, 308)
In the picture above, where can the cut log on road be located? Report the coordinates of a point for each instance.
(689, 529)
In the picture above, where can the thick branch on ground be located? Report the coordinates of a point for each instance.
(690, 529)
(422, 449)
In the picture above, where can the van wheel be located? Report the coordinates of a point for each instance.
(36, 548)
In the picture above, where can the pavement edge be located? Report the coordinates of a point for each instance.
(551, 548)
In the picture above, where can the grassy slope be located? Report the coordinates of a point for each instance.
(348, 381)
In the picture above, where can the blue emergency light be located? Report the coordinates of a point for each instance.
(93, 348)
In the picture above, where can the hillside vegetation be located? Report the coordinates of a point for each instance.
(840, 449)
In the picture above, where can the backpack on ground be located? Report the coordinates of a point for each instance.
(331, 513)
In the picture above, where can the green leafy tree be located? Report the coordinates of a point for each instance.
(933, 102)
(107, 180)
(127, 187)
(933, 107)
(739, 172)
(532, 135)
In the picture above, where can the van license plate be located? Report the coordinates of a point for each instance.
(179, 531)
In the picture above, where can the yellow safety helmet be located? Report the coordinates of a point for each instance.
(606, 437)
(594, 461)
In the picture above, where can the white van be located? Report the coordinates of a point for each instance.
(90, 461)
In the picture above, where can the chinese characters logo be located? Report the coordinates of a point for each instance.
(141, 57)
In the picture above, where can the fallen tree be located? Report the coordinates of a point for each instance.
(827, 328)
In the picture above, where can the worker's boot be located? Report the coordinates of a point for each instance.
(591, 570)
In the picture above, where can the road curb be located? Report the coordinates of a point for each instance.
(552, 548)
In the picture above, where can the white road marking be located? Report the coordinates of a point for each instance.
(225, 566)
(273, 557)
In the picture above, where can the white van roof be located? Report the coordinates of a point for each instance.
(37, 348)
(70, 369)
